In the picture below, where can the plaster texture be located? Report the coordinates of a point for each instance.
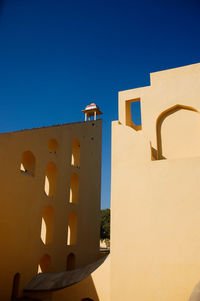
(155, 199)
(155, 196)
(39, 168)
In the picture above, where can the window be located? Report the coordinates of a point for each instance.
(133, 114)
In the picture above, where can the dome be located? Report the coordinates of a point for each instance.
(91, 106)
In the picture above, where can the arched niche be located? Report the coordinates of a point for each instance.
(28, 163)
(15, 287)
(177, 132)
(76, 152)
(52, 146)
(71, 262)
(74, 188)
(47, 225)
(45, 264)
(50, 179)
(72, 228)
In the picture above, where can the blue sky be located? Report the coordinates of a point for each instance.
(58, 56)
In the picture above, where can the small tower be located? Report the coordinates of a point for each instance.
(92, 110)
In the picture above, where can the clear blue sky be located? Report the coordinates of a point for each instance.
(58, 56)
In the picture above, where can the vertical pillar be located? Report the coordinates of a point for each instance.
(85, 116)
(95, 115)
(89, 117)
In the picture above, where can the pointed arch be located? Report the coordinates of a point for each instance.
(160, 121)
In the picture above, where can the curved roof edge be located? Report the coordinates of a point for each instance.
(60, 280)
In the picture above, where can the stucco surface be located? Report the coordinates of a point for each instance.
(24, 197)
(155, 208)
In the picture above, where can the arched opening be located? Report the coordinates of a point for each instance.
(74, 188)
(177, 132)
(15, 287)
(45, 264)
(72, 228)
(75, 153)
(50, 179)
(70, 262)
(52, 146)
(28, 163)
(47, 225)
(87, 299)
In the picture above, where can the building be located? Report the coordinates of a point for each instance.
(155, 199)
(155, 195)
(50, 201)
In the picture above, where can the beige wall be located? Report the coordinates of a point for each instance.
(23, 200)
(155, 197)
(155, 204)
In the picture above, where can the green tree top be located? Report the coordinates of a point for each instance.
(105, 224)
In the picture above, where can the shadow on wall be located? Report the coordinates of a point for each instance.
(176, 134)
(82, 291)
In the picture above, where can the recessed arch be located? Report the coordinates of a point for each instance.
(15, 287)
(74, 188)
(50, 179)
(72, 228)
(28, 163)
(175, 129)
(76, 152)
(87, 299)
(71, 260)
(45, 264)
(47, 225)
(52, 145)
